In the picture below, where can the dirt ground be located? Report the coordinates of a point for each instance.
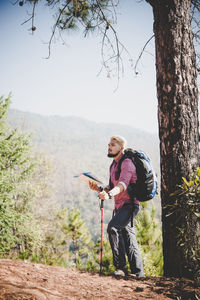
(29, 281)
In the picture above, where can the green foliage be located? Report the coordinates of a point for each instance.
(18, 229)
(88, 14)
(55, 249)
(67, 242)
(185, 207)
(93, 262)
(85, 13)
(79, 235)
(149, 236)
(191, 187)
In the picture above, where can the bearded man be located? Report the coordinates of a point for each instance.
(121, 234)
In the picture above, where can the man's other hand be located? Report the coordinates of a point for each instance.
(103, 195)
(93, 186)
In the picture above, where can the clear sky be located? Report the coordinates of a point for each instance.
(68, 83)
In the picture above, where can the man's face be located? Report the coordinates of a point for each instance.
(113, 148)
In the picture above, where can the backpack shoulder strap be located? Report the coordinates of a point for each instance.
(112, 164)
(120, 164)
(128, 153)
(118, 169)
(110, 182)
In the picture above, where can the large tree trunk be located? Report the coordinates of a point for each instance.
(178, 130)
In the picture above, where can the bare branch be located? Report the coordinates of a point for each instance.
(33, 28)
(141, 53)
(119, 46)
(54, 27)
(15, 2)
(33, 16)
(98, 15)
(26, 21)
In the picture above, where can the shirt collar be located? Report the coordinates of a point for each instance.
(118, 159)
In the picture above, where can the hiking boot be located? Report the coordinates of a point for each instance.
(137, 275)
(121, 272)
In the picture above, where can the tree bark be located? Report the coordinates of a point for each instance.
(177, 94)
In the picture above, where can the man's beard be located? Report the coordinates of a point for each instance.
(113, 155)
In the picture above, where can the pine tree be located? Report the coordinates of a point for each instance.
(81, 242)
(20, 233)
(55, 250)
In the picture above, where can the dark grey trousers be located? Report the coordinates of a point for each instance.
(123, 240)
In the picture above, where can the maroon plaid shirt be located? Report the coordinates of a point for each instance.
(127, 175)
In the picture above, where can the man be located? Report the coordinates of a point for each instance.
(121, 234)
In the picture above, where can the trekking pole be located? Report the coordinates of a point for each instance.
(101, 244)
(101, 249)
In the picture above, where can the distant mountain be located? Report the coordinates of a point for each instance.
(65, 129)
(78, 145)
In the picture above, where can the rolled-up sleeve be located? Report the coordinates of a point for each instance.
(128, 173)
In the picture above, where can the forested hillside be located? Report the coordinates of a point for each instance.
(76, 145)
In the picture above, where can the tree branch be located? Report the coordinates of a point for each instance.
(33, 28)
(54, 27)
(119, 46)
(141, 53)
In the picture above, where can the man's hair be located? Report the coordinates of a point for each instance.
(120, 140)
